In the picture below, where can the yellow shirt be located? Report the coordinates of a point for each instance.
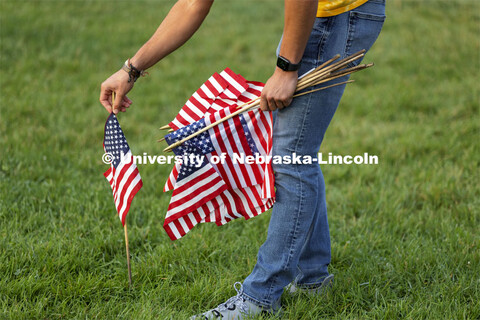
(327, 8)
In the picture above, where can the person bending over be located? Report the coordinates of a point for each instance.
(297, 249)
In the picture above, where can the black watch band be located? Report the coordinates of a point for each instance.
(286, 65)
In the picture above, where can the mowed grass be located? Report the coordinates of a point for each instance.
(405, 233)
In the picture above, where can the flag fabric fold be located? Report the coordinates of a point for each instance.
(227, 86)
(220, 191)
(123, 174)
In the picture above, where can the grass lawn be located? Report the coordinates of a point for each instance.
(405, 233)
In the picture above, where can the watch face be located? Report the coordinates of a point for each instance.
(282, 64)
(286, 65)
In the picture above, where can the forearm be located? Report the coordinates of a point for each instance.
(299, 19)
(179, 25)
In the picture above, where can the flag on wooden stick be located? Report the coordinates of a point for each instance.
(123, 174)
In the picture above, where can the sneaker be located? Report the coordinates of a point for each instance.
(312, 289)
(236, 308)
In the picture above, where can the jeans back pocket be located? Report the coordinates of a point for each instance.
(364, 26)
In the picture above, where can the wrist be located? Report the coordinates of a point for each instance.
(283, 73)
(133, 72)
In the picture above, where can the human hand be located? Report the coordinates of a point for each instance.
(118, 83)
(279, 89)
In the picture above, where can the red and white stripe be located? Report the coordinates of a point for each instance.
(229, 138)
(191, 192)
(195, 108)
(172, 178)
(229, 205)
(236, 85)
(260, 125)
(125, 181)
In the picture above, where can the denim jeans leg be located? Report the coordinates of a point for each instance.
(364, 25)
(298, 236)
(316, 253)
(293, 212)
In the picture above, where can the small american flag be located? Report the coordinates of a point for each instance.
(123, 174)
(219, 192)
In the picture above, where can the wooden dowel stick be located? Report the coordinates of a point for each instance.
(352, 69)
(126, 233)
(176, 144)
(165, 127)
(323, 88)
(326, 66)
(338, 75)
(113, 99)
(334, 66)
(330, 76)
(128, 255)
(249, 102)
(320, 67)
(327, 71)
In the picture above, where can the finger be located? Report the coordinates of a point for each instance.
(280, 104)
(125, 104)
(125, 98)
(263, 103)
(287, 102)
(118, 102)
(272, 106)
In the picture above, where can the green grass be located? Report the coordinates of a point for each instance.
(405, 233)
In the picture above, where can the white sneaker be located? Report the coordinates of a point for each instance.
(236, 308)
(315, 289)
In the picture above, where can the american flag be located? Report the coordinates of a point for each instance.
(219, 192)
(123, 174)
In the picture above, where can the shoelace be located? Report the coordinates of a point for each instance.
(236, 301)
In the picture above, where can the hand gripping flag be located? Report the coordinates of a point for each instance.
(209, 190)
(123, 174)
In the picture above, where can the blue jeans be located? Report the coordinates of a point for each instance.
(298, 242)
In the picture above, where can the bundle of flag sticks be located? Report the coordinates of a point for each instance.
(328, 71)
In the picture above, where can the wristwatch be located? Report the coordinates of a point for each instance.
(286, 65)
